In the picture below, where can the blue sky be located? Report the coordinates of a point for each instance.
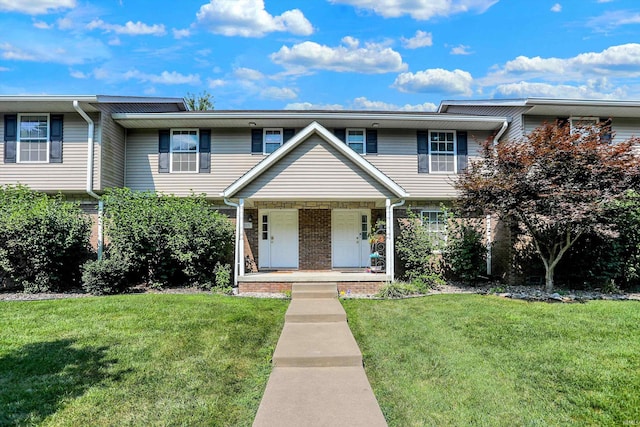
(336, 54)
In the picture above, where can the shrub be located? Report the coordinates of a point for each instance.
(108, 276)
(44, 240)
(464, 255)
(416, 250)
(397, 290)
(167, 240)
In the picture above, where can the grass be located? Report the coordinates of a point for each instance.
(136, 360)
(474, 360)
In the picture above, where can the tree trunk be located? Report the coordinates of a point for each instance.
(548, 278)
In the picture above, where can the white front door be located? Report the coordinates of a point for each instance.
(349, 243)
(278, 247)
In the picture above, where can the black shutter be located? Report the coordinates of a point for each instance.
(256, 141)
(55, 134)
(10, 137)
(205, 151)
(562, 121)
(462, 151)
(287, 134)
(164, 148)
(341, 134)
(372, 141)
(422, 137)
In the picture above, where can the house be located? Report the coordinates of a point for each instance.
(305, 187)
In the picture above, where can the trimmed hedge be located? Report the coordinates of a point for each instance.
(44, 240)
(162, 240)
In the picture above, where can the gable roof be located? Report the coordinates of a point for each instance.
(295, 141)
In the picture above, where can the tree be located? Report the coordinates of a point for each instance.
(200, 102)
(556, 183)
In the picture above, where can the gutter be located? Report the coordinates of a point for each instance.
(89, 183)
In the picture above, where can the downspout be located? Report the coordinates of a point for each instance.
(236, 259)
(390, 246)
(89, 185)
(502, 130)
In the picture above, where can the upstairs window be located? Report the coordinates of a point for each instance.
(272, 140)
(184, 150)
(442, 150)
(356, 140)
(33, 138)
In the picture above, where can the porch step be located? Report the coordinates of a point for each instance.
(316, 345)
(315, 310)
(314, 290)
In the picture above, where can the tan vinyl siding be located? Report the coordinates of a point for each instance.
(625, 128)
(230, 158)
(68, 176)
(532, 122)
(112, 153)
(397, 158)
(314, 170)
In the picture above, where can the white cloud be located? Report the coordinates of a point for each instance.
(36, 7)
(248, 18)
(362, 103)
(216, 83)
(180, 34)
(435, 80)
(78, 74)
(61, 51)
(556, 8)
(373, 58)
(421, 39)
(420, 9)
(546, 90)
(42, 25)
(165, 77)
(248, 74)
(278, 93)
(311, 106)
(461, 50)
(615, 61)
(130, 28)
(613, 19)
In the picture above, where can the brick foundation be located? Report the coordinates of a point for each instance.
(354, 288)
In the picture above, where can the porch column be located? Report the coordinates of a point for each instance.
(489, 244)
(240, 222)
(389, 240)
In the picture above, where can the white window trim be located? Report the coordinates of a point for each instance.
(171, 149)
(444, 222)
(364, 139)
(455, 151)
(264, 139)
(18, 160)
(595, 121)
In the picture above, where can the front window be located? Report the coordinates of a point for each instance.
(356, 140)
(272, 140)
(435, 223)
(442, 146)
(33, 138)
(184, 150)
(583, 125)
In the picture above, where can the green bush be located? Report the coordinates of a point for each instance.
(44, 240)
(107, 276)
(397, 290)
(415, 247)
(166, 240)
(464, 255)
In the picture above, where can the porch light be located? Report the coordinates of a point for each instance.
(252, 124)
(375, 125)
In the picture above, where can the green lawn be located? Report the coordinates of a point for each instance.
(481, 360)
(136, 360)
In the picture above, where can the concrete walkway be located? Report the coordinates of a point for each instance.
(317, 377)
